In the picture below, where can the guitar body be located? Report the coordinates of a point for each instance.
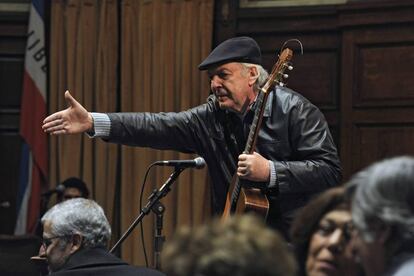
(253, 200)
(248, 200)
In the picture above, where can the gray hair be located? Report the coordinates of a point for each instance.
(80, 216)
(263, 75)
(383, 195)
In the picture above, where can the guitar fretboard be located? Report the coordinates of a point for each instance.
(250, 144)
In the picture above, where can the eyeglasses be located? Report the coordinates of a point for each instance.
(46, 242)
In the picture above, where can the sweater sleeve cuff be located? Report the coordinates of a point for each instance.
(101, 125)
(273, 183)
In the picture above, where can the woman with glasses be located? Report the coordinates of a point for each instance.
(320, 235)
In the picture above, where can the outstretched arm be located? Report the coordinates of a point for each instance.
(74, 119)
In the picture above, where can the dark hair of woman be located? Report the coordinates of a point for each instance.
(306, 222)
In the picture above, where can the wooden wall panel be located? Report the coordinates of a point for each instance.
(315, 73)
(377, 89)
(316, 78)
(377, 141)
(384, 74)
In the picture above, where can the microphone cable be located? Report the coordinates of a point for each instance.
(140, 208)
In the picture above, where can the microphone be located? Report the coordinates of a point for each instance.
(59, 190)
(197, 163)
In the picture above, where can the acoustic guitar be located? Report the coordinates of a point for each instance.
(241, 199)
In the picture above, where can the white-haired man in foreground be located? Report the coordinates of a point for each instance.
(75, 238)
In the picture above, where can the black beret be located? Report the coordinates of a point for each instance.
(240, 49)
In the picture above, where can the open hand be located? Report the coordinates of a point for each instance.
(74, 119)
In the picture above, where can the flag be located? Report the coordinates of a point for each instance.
(33, 166)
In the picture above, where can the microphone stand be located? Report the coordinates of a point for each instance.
(152, 200)
(159, 239)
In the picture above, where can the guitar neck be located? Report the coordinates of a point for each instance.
(257, 121)
(251, 141)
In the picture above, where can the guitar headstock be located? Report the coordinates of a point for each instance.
(278, 71)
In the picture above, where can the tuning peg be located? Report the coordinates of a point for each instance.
(289, 66)
(285, 76)
(281, 84)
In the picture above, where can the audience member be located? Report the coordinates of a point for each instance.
(320, 234)
(75, 236)
(383, 216)
(70, 188)
(74, 188)
(242, 245)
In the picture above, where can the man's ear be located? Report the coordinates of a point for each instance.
(253, 75)
(76, 243)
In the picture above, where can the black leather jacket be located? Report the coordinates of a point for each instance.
(294, 135)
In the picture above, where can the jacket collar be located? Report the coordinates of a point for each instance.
(91, 257)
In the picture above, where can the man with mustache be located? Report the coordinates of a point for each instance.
(295, 156)
(75, 237)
